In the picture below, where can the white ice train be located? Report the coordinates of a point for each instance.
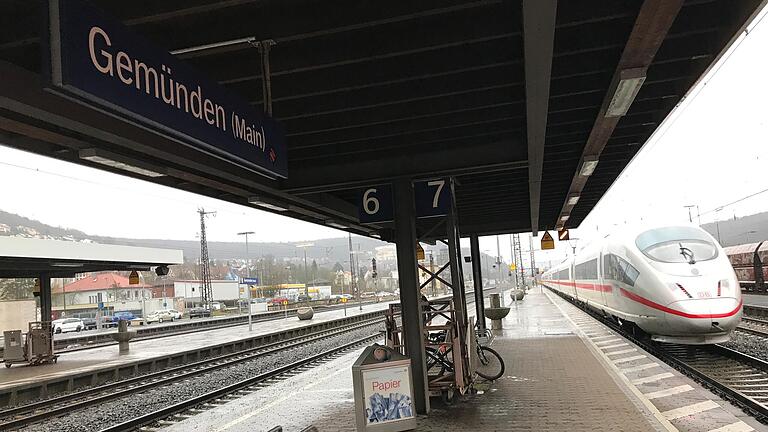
(675, 283)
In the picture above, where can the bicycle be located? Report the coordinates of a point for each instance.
(490, 365)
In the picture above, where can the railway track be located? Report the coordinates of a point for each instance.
(39, 412)
(737, 377)
(754, 326)
(176, 413)
(98, 340)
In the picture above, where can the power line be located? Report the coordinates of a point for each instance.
(718, 208)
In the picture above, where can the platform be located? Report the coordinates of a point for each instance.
(564, 372)
(755, 300)
(82, 365)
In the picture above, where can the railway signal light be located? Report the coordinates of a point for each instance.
(563, 235)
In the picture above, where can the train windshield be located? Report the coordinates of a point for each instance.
(676, 245)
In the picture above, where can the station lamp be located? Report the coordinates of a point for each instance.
(564, 218)
(120, 162)
(336, 225)
(630, 81)
(588, 166)
(267, 203)
(573, 199)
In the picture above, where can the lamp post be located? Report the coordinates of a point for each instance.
(690, 216)
(306, 270)
(248, 272)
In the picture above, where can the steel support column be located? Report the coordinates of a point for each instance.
(457, 281)
(45, 297)
(410, 297)
(477, 276)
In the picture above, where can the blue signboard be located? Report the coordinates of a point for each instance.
(100, 61)
(433, 198)
(250, 281)
(375, 204)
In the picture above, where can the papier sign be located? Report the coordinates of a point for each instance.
(387, 394)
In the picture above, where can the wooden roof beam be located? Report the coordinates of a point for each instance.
(648, 33)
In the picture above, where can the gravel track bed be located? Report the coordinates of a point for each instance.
(749, 344)
(124, 409)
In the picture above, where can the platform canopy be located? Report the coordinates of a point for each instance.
(29, 257)
(534, 107)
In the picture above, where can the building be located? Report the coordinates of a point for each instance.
(111, 289)
(5, 229)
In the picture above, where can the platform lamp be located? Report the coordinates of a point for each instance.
(248, 273)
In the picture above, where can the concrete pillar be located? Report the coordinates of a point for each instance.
(405, 237)
(477, 276)
(45, 297)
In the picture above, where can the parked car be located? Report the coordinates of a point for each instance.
(65, 325)
(303, 298)
(108, 321)
(159, 316)
(88, 318)
(199, 312)
(174, 313)
(367, 295)
(278, 301)
(123, 316)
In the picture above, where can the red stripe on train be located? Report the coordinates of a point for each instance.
(642, 300)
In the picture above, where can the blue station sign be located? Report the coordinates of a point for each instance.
(100, 61)
(249, 281)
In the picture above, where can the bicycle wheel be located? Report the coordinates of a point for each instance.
(490, 365)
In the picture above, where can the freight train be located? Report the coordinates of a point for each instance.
(674, 283)
(750, 262)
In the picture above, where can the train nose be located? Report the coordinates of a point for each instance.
(702, 316)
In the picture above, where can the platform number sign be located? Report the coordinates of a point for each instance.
(432, 199)
(375, 204)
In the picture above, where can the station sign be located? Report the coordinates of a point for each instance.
(419, 252)
(249, 281)
(547, 242)
(433, 198)
(96, 60)
(133, 279)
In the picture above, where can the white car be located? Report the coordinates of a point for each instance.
(159, 316)
(65, 325)
(174, 313)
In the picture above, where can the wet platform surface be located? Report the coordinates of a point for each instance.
(564, 372)
(75, 362)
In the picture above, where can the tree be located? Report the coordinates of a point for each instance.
(314, 270)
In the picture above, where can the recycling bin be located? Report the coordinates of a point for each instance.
(381, 378)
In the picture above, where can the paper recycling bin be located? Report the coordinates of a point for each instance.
(383, 391)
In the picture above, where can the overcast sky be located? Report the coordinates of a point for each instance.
(711, 151)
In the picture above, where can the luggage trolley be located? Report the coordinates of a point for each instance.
(37, 348)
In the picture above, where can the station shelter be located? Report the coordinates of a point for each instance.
(411, 121)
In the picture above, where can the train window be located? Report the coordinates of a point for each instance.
(618, 269)
(587, 270)
(676, 245)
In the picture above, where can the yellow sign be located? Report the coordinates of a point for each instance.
(419, 252)
(563, 235)
(343, 299)
(285, 302)
(133, 279)
(547, 242)
(512, 267)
